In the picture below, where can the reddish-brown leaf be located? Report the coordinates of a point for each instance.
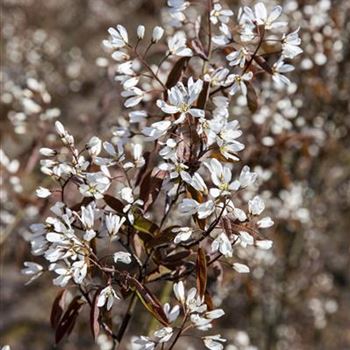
(263, 64)
(57, 308)
(67, 322)
(203, 96)
(142, 170)
(162, 237)
(208, 300)
(175, 74)
(198, 49)
(150, 188)
(114, 203)
(86, 201)
(201, 272)
(94, 316)
(149, 300)
(172, 261)
(252, 98)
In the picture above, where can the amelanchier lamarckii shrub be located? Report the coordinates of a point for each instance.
(167, 197)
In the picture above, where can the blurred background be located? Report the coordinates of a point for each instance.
(298, 295)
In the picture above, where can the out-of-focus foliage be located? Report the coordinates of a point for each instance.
(297, 295)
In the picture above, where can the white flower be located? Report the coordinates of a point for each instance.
(137, 116)
(256, 205)
(164, 334)
(239, 82)
(264, 244)
(239, 214)
(214, 314)
(188, 206)
(119, 37)
(47, 152)
(181, 100)
(94, 146)
(96, 185)
(157, 34)
(179, 291)
(171, 313)
(63, 134)
(177, 45)
(247, 177)
(134, 96)
(113, 223)
(222, 244)
(123, 257)
(265, 222)
(218, 14)
(30, 107)
(237, 58)
(196, 181)
(169, 151)
(176, 8)
(230, 132)
(120, 56)
(107, 295)
(278, 69)
(241, 268)
(87, 216)
(290, 44)
(143, 343)
(177, 169)
(140, 32)
(138, 160)
(200, 322)
(213, 342)
(260, 16)
(246, 239)
(229, 150)
(191, 206)
(221, 177)
(32, 269)
(217, 77)
(79, 269)
(156, 130)
(89, 235)
(43, 192)
(225, 37)
(127, 195)
(184, 234)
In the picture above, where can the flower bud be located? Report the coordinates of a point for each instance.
(157, 33)
(140, 31)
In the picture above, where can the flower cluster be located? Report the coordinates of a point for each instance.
(166, 197)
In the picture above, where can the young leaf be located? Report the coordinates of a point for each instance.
(142, 224)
